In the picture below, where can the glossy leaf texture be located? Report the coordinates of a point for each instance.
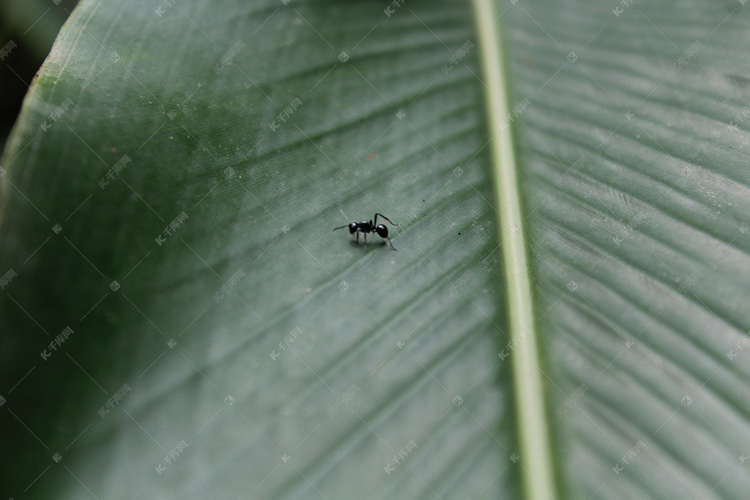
(170, 191)
(635, 170)
(168, 194)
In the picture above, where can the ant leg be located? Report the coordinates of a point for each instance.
(357, 237)
(386, 218)
(391, 244)
(365, 235)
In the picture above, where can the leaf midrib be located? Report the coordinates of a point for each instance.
(537, 470)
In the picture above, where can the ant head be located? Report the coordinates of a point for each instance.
(353, 227)
(382, 231)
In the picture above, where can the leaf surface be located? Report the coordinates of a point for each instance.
(168, 195)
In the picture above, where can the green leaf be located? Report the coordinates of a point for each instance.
(168, 194)
(289, 360)
(633, 155)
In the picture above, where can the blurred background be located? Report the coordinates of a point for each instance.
(31, 26)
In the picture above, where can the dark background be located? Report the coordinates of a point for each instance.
(33, 26)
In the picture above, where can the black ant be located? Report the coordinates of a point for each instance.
(365, 227)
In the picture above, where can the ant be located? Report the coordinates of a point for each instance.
(365, 227)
